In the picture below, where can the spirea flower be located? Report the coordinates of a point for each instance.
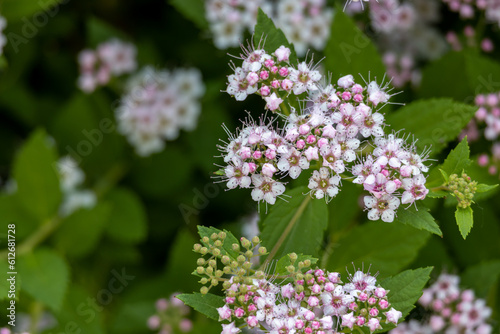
(171, 316)
(451, 310)
(111, 58)
(71, 178)
(157, 104)
(311, 300)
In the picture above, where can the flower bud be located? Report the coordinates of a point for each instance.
(245, 243)
(293, 257)
(222, 235)
(212, 263)
(200, 261)
(200, 270)
(262, 250)
(240, 259)
(218, 243)
(209, 270)
(226, 269)
(256, 240)
(290, 269)
(204, 290)
(249, 254)
(205, 239)
(203, 280)
(204, 250)
(225, 259)
(247, 265)
(214, 282)
(214, 236)
(216, 252)
(236, 247)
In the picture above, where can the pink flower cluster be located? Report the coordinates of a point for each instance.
(325, 137)
(111, 58)
(468, 8)
(318, 302)
(452, 310)
(170, 316)
(271, 76)
(393, 169)
(469, 40)
(487, 123)
(157, 105)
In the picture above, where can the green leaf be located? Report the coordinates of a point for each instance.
(206, 304)
(406, 288)
(481, 277)
(80, 232)
(434, 122)
(456, 162)
(350, 51)
(194, 10)
(44, 275)
(387, 247)
(99, 31)
(35, 171)
(227, 246)
(127, 222)
(465, 220)
(82, 313)
(478, 74)
(297, 224)
(27, 10)
(285, 261)
(265, 30)
(420, 219)
(482, 188)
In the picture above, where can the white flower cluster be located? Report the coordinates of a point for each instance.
(71, 178)
(3, 39)
(306, 23)
(157, 104)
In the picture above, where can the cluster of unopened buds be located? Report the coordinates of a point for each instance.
(306, 300)
(111, 58)
(170, 316)
(157, 104)
(486, 123)
(463, 188)
(453, 310)
(326, 137)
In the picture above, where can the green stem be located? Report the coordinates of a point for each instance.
(441, 187)
(36, 314)
(36, 238)
(287, 231)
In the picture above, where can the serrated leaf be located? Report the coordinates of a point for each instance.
(127, 222)
(420, 219)
(298, 224)
(285, 261)
(44, 276)
(434, 122)
(481, 277)
(266, 30)
(445, 175)
(465, 220)
(193, 10)
(397, 245)
(80, 232)
(406, 288)
(14, 10)
(205, 304)
(350, 51)
(35, 171)
(482, 188)
(227, 248)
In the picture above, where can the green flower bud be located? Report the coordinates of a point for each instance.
(200, 270)
(222, 235)
(216, 252)
(218, 273)
(204, 250)
(226, 269)
(225, 259)
(204, 290)
(212, 263)
(290, 269)
(307, 263)
(214, 236)
(226, 285)
(293, 257)
(218, 243)
(241, 259)
(259, 274)
(196, 248)
(262, 250)
(205, 240)
(247, 265)
(236, 247)
(246, 243)
(256, 240)
(209, 270)
(200, 261)
(249, 254)
(214, 282)
(204, 280)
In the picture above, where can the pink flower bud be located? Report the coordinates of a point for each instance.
(283, 71)
(358, 98)
(360, 321)
(383, 304)
(275, 84)
(322, 142)
(252, 308)
(268, 63)
(265, 90)
(287, 84)
(316, 288)
(274, 69)
(353, 306)
(252, 321)
(264, 75)
(363, 297)
(357, 89)
(252, 78)
(257, 155)
(282, 53)
(245, 152)
(270, 154)
(311, 139)
(380, 292)
(329, 287)
(299, 324)
(309, 315)
(239, 312)
(308, 330)
(268, 170)
(346, 96)
(316, 325)
(304, 129)
(300, 144)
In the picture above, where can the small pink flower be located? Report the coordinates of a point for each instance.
(282, 53)
(273, 102)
